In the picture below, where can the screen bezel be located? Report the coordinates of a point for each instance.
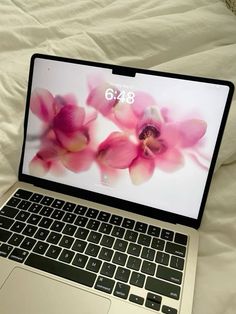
(108, 200)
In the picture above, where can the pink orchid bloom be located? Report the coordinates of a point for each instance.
(156, 144)
(66, 137)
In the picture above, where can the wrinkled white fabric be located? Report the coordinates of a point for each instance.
(195, 37)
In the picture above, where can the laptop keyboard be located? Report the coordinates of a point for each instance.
(94, 248)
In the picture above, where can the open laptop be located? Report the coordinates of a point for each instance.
(114, 175)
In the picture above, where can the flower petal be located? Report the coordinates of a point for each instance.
(117, 151)
(38, 167)
(142, 101)
(78, 161)
(74, 141)
(42, 104)
(191, 131)
(125, 116)
(69, 119)
(141, 170)
(97, 99)
(171, 160)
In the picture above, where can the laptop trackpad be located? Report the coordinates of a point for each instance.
(26, 292)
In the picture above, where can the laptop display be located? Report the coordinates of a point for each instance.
(143, 138)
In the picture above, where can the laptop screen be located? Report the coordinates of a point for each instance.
(147, 139)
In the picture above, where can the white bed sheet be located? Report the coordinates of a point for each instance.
(186, 36)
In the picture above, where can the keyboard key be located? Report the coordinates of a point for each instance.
(41, 247)
(161, 287)
(81, 221)
(5, 250)
(92, 250)
(28, 244)
(175, 249)
(29, 230)
(158, 244)
(66, 256)
(136, 299)
(47, 200)
(81, 233)
(79, 246)
(58, 203)
(4, 235)
(148, 268)
(23, 194)
(5, 222)
(45, 222)
(154, 297)
(46, 211)
(144, 239)
(108, 269)
(122, 274)
(181, 238)
(168, 310)
(66, 242)
(69, 230)
(177, 262)
(92, 213)
(107, 241)
(167, 234)
(121, 290)
(131, 236)
(16, 239)
(169, 274)
(128, 223)
(94, 265)
(118, 232)
(80, 260)
(152, 305)
(137, 279)
(154, 231)
(133, 263)
(18, 226)
(22, 216)
(54, 237)
(35, 208)
(80, 210)
(36, 198)
(148, 254)
(94, 237)
(53, 251)
(13, 202)
(24, 205)
(69, 218)
(120, 245)
(57, 226)
(104, 284)
(60, 269)
(41, 234)
(119, 258)
(69, 206)
(116, 220)
(140, 227)
(18, 255)
(103, 216)
(105, 228)
(93, 224)
(34, 219)
(134, 249)
(162, 258)
(106, 254)
(9, 211)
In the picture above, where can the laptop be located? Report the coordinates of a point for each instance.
(114, 174)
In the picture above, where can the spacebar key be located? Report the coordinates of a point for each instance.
(56, 268)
